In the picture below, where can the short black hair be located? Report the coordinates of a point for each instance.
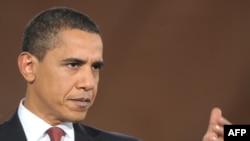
(40, 32)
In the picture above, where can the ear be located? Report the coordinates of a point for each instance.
(27, 66)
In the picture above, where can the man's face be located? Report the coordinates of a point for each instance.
(66, 80)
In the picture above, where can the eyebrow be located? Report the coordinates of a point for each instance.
(74, 60)
(80, 61)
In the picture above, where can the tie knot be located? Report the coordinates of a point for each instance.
(55, 133)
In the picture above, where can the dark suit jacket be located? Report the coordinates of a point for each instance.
(11, 130)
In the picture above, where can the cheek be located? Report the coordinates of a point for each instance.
(60, 86)
(96, 79)
(65, 86)
(95, 90)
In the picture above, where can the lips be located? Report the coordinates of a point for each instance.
(82, 102)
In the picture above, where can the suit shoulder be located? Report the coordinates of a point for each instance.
(2, 124)
(105, 135)
(125, 137)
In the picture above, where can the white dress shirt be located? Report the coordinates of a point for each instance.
(35, 128)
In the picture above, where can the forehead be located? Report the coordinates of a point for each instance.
(78, 44)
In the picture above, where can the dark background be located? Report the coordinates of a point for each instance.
(167, 63)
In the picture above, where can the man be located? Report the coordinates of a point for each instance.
(60, 60)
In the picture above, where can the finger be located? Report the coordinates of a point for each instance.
(210, 136)
(224, 121)
(219, 130)
(216, 116)
(213, 138)
(220, 139)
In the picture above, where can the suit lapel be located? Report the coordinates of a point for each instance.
(13, 129)
(81, 133)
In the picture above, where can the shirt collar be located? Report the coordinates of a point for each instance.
(35, 128)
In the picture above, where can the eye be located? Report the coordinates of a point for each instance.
(73, 65)
(97, 66)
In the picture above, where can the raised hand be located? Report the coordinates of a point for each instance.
(215, 131)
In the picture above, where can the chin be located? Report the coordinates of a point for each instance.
(76, 117)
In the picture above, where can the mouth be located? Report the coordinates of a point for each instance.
(82, 102)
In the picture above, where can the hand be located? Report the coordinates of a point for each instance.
(215, 131)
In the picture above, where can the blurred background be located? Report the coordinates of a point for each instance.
(167, 63)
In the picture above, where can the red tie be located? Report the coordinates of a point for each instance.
(55, 133)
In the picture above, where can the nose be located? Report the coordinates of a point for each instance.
(86, 79)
